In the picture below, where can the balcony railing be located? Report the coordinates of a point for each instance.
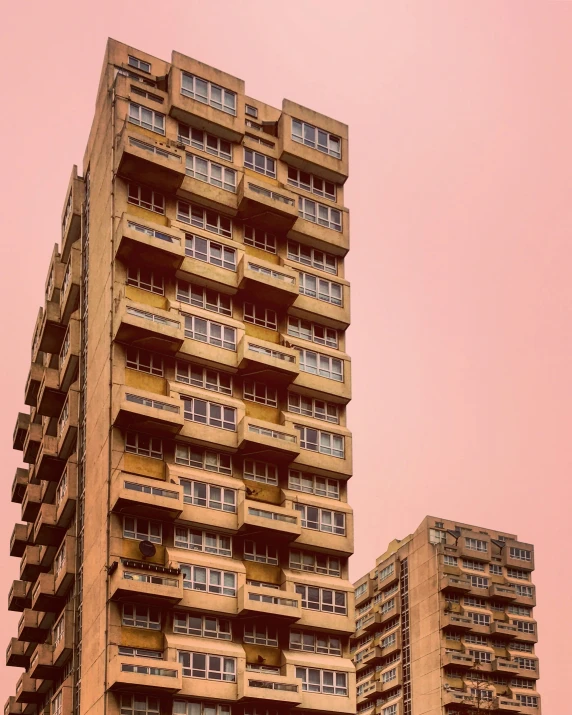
(276, 354)
(274, 195)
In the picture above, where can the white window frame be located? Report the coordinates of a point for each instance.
(135, 443)
(203, 626)
(202, 297)
(207, 219)
(208, 542)
(311, 183)
(145, 279)
(311, 407)
(139, 64)
(320, 441)
(327, 682)
(199, 376)
(323, 141)
(209, 331)
(258, 238)
(207, 251)
(139, 615)
(260, 634)
(209, 413)
(201, 578)
(210, 460)
(208, 93)
(135, 359)
(136, 704)
(316, 363)
(313, 257)
(313, 484)
(209, 496)
(319, 213)
(258, 315)
(318, 519)
(314, 562)
(314, 642)
(313, 332)
(142, 529)
(206, 142)
(476, 545)
(146, 198)
(325, 290)
(260, 392)
(322, 599)
(520, 554)
(260, 471)
(262, 553)
(210, 172)
(259, 162)
(146, 118)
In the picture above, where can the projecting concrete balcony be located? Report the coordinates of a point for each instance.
(18, 540)
(64, 566)
(369, 691)
(264, 602)
(265, 281)
(454, 621)
(506, 705)
(503, 665)
(333, 315)
(19, 485)
(71, 214)
(322, 237)
(465, 551)
(20, 431)
(502, 591)
(12, 707)
(16, 655)
(69, 294)
(27, 692)
(513, 560)
(144, 675)
(44, 595)
(459, 584)
(146, 412)
(196, 191)
(66, 496)
(458, 659)
(32, 442)
(522, 599)
(141, 157)
(154, 329)
(69, 355)
(51, 331)
(30, 565)
(31, 502)
(274, 207)
(143, 496)
(30, 629)
(277, 363)
(369, 657)
(267, 438)
(527, 636)
(457, 697)
(503, 630)
(397, 705)
(139, 581)
(41, 663)
(49, 466)
(46, 531)
(68, 423)
(33, 381)
(268, 520)
(63, 638)
(164, 247)
(18, 598)
(271, 688)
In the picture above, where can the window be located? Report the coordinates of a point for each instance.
(389, 640)
(322, 599)
(183, 707)
(520, 554)
(204, 298)
(60, 560)
(522, 647)
(205, 142)
(309, 182)
(322, 365)
(518, 573)
(143, 361)
(209, 542)
(261, 553)
(211, 173)
(481, 656)
(437, 537)
(495, 570)
(391, 710)
(479, 619)
(519, 610)
(313, 484)
(332, 522)
(321, 289)
(260, 635)
(199, 578)
(259, 239)
(139, 705)
(476, 544)
(449, 560)
(258, 315)
(305, 330)
(140, 616)
(204, 218)
(527, 701)
(208, 93)
(211, 667)
(203, 377)
(260, 471)
(524, 626)
(251, 111)
(481, 694)
(145, 279)
(58, 631)
(138, 64)
(203, 626)
(260, 163)
(146, 118)
(260, 392)
(388, 606)
(209, 413)
(312, 257)
(315, 563)
(476, 639)
(389, 675)
(526, 591)
(210, 252)
(329, 682)
(142, 529)
(315, 642)
(302, 405)
(319, 441)
(147, 95)
(146, 198)
(479, 582)
(207, 331)
(319, 213)
(209, 496)
(475, 602)
(192, 456)
(143, 445)
(386, 572)
(315, 138)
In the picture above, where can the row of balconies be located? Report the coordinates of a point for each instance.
(489, 550)
(459, 659)
(502, 590)
(374, 688)
(31, 693)
(499, 629)
(467, 702)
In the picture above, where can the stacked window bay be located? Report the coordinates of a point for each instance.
(199, 562)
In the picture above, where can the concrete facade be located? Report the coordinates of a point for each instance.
(185, 528)
(445, 624)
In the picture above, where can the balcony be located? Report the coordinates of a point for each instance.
(15, 654)
(369, 657)
(41, 664)
(455, 583)
(33, 381)
(68, 425)
(141, 581)
(272, 206)
(51, 332)
(271, 521)
(63, 638)
(270, 688)
(19, 485)
(19, 539)
(264, 602)
(30, 566)
(457, 622)
(146, 497)
(503, 630)
(32, 442)
(69, 294)
(274, 363)
(526, 636)
(18, 598)
(71, 215)
(69, 355)
(464, 551)
(66, 496)
(26, 690)
(148, 161)
(506, 705)
(30, 629)
(457, 697)
(49, 465)
(64, 567)
(46, 531)
(502, 665)
(458, 660)
(12, 707)
(44, 596)
(512, 561)
(144, 675)
(502, 591)
(153, 329)
(265, 281)
(146, 412)
(31, 502)
(261, 438)
(20, 431)
(164, 247)
(370, 691)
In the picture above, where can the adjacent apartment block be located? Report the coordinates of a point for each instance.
(445, 624)
(185, 530)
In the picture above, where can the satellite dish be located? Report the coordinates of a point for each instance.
(147, 549)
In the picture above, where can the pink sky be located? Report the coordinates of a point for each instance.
(460, 119)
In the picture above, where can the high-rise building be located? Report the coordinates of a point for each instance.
(445, 625)
(185, 528)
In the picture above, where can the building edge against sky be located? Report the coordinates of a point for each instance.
(445, 624)
(185, 528)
